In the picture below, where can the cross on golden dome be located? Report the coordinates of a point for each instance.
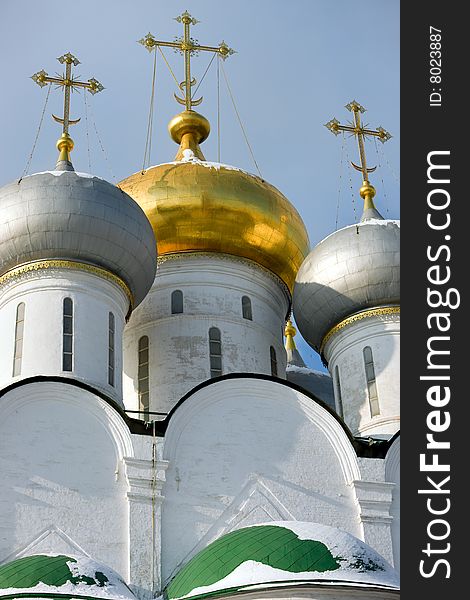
(360, 132)
(187, 46)
(67, 81)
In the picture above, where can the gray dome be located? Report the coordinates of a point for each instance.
(353, 269)
(75, 216)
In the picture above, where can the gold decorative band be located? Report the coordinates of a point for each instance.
(364, 314)
(68, 264)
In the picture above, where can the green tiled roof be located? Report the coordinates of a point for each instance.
(274, 546)
(29, 571)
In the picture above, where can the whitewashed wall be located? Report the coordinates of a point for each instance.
(246, 451)
(392, 474)
(43, 292)
(345, 350)
(213, 286)
(60, 463)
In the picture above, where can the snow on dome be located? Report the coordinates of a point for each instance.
(49, 575)
(278, 553)
(79, 217)
(200, 206)
(59, 173)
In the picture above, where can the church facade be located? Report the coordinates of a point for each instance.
(160, 434)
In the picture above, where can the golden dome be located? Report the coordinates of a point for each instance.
(199, 206)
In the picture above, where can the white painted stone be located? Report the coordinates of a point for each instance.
(392, 474)
(236, 438)
(212, 286)
(61, 451)
(345, 351)
(43, 292)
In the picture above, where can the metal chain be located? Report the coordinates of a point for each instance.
(205, 73)
(169, 68)
(148, 141)
(108, 164)
(381, 177)
(240, 121)
(353, 196)
(396, 177)
(340, 181)
(28, 164)
(218, 109)
(87, 131)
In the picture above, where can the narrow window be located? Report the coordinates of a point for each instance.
(143, 376)
(371, 383)
(67, 335)
(111, 349)
(272, 353)
(339, 397)
(19, 329)
(246, 308)
(215, 352)
(176, 302)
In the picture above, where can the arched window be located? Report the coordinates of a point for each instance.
(143, 376)
(246, 308)
(67, 335)
(176, 302)
(111, 349)
(339, 397)
(273, 356)
(371, 383)
(19, 330)
(215, 352)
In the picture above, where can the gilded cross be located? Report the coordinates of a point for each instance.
(68, 83)
(357, 129)
(188, 47)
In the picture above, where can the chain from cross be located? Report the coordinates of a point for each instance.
(187, 46)
(360, 132)
(68, 83)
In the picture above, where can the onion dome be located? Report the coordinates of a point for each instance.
(199, 206)
(73, 216)
(283, 553)
(53, 576)
(354, 269)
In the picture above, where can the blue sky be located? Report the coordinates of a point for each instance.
(298, 62)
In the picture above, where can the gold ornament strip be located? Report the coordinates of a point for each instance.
(365, 314)
(67, 264)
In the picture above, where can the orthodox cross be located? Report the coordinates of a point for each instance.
(360, 132)
(67, 81)
(188, 47)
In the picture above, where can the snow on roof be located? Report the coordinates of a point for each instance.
(381, 222)
(59, 173)
(189, 157)
(58, 574)
(281, 552)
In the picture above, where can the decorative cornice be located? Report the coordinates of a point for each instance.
(381, 311)
(374, 499)
(145, 479)
(67, 264)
